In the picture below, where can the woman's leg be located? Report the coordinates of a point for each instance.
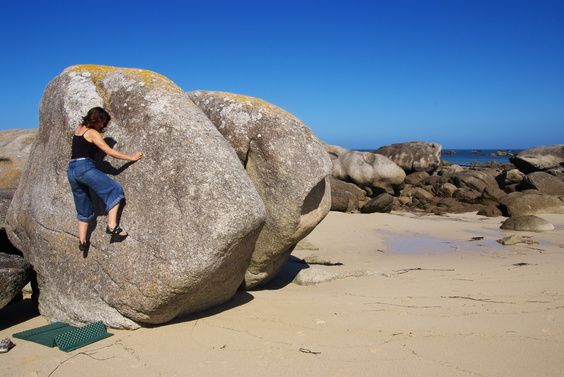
(112, 219)
(82, 231)
(112, 216)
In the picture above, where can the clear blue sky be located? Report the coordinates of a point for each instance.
(360, 74)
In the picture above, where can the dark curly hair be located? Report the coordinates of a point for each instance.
(96, 115)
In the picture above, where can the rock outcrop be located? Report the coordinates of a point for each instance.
(544, 182)
(539, 158)
(15, 146)
(288, 166)
(413, 156)
(372, 172)
(15, 273)
(192, 212)
(530, 202)
(346, 196)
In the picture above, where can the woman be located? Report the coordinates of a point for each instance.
(83, 176)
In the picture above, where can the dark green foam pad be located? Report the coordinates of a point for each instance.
(65, 336)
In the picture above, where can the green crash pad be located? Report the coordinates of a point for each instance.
(65, 336)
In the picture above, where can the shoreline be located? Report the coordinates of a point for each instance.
(436, 302)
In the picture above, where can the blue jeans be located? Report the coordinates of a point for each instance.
(83, 177)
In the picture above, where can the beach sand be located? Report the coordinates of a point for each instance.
(426, 296)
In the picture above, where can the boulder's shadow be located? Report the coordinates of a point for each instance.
(17, 312)
(240, 298)
(287, 274)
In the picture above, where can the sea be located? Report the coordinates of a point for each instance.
(468, 157)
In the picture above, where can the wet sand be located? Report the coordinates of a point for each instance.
(425, 296)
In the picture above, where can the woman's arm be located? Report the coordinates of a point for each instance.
(95, 137)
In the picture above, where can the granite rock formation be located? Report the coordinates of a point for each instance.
(192, 212)
(413, 156)
(539, 158)
(287, 165)
(372, 172)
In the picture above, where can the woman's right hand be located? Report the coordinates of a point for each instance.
(137, 156)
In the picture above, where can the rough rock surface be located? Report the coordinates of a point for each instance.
(382, 203)
(372, 172)
(539, 158)
(288, 166)
(530, 203)
(413, 156)
(544, 182)
(530, 223)
(346, 196)
(192, 212)
(15, 146)
(15, 273)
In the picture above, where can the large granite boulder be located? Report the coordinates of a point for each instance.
(370, 171)
(413, 156)
(15, 273)
(476, 187)
(539, 158)
(288, 166)
(15, 146)
(530, 202)
(544, 182)
(192, 212)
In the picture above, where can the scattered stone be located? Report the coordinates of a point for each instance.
(514, 240)
(530, 223)
(490, 211)
(317, 259)
(509, 178)
(416, 177)
(346, 196)
(313, 275)
(383, 203)
(304, 244)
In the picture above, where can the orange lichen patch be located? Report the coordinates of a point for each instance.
(250, 102)
(147, 78)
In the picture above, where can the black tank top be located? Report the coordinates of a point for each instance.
(83, 148)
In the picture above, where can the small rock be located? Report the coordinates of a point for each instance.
(527, 223)
(514, 240)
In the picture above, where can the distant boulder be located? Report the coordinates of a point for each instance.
(413, 156)
(530, 223)
(15, 146)
(539, 158)
(372, 172)
(530, 203)
(288, 166)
